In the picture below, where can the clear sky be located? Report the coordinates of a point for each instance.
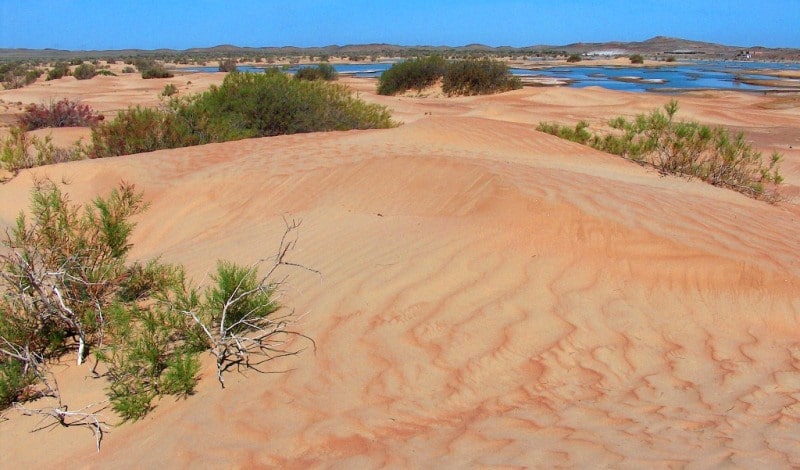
(181, 24)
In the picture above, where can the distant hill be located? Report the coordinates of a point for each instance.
(653, 46)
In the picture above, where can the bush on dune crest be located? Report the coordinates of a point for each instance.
(63, 113)
(414, 74)
(462, 77)
(245, 105)
(684, 148)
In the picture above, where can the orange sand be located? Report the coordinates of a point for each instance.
(491, 295)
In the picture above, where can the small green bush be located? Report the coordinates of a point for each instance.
(414, 74)
(574, 58)
(17, 75)
(14, 380)
(232, 281)
(227, 65)
(478, 77)
(59, 70)
(579, 134)
(636, 59)
(245, 105)
(65, 285)
(84, 71)
(138, 130)
(322, 71)
(685, 149)
(128, 69)
(157, 71)
(19, 151)
(169, 90)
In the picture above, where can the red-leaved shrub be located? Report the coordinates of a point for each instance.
(64, 113)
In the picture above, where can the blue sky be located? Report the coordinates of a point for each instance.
(179, 24)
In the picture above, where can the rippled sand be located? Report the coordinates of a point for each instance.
(491, 295)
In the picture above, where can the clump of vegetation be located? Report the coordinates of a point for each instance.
(157, 71)
(323, 71)
(84, 71)
(574, 58)
(414, 74)
(478, 77)
(66, 287)
(151, 69)
(684, 148)
(169, 90)
(17, 75)
(579, 134)
(19, 151)
(227, 65)
(138, 130)
(245, 105)
(128, 69)
(64, 113)
(59, 70)
(636, 59)
(670, 58)
(461, 77)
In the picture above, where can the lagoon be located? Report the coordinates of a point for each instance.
(698, 75)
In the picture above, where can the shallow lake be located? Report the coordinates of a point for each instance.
(699, 75)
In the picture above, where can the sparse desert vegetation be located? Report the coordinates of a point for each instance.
(412, 74)
(245, 105)
(67, 288)
(684, 148)
(62, 113)
(484, 282)
(323, 71)
(459, 77)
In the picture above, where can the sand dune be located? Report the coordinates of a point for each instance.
(491, 296)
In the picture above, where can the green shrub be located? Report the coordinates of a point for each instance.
(686, 149)
(322, 71)
(637, 59)
(233, 281)
(245, 105)
(65, 285)
(84, 71)
(59, 70)
(128, 69)
(138, 130)
(227, 65)
(157, 71)
(169, 90)
(17, 75)
(478, 77)
(574, 58)
(579, 134)
(14, 380)
(670, 58)
(414, 74)
(19, 151)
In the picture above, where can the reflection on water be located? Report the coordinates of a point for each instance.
(697, 75)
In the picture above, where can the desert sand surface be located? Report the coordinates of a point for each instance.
(491, 296)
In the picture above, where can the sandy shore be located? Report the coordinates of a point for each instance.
(491, 295)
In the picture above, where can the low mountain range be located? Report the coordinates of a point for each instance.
(654, 46)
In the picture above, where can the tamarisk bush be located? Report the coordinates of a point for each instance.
(684, 148)
(66, 288)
